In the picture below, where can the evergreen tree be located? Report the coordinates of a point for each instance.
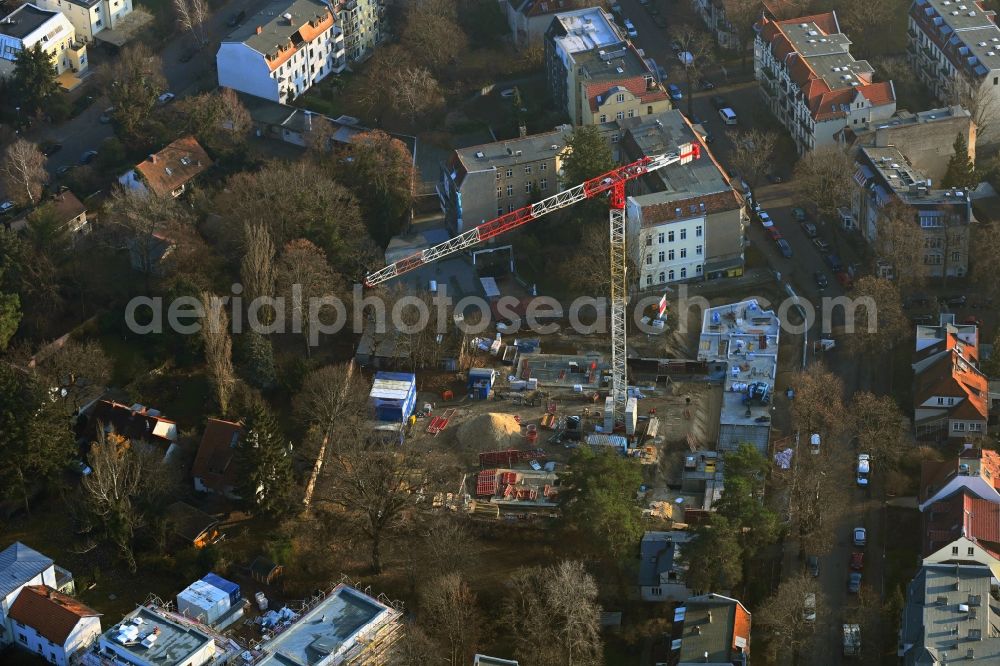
(257, 360)
(34, 78)
(10, 317)
(587, 156)
(264, 458)
(961, 171)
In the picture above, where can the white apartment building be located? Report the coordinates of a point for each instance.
(52, 625)
(956, 41)
(812, 83)
(361, 21)
(29, 25)
(282, 51)
(90, 17)
(671, 250)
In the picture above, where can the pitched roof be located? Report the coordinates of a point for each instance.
(545, 7)
(189, 522)
(18, 565)
(954, 376)
(214, 462)
(174, 166)
(50, 613)
(934, 475)
(65, 206)
(136, 423)
(658, 213)
(962, 515)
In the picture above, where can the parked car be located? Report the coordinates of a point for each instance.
(955, 300)
(821, 245)
(675, 92)
(916, 300)
(810, 229)
(643, 2)
(812, 564)
(973, 320)
(799, 214)
(706, 84)
(844, 279)
(774, 233)
(80, 467)
(507, 93)
(923, 319)
(809, 607)
(860, 537)
(864, 469)
(854, 583)
(50, 148)
(834, 262)
(857, 561)
(630, 29)
(166, 98)
(784, 248)
(719, 102)
(765, 219)
(6, 205)
(821, 280)
(107, 115)
(88, 157)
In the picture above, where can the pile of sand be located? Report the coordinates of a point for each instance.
(489, 432)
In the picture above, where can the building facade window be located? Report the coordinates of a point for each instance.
(603, 118)
(649, 241)
(544, 166)
(684, 273)
(620, 115)
(527, 187)
(620, 98)
(544, 184)
(663, 277)
(499, 192)
(671, 255)
(661, 257)
(670, 275)
(698, 249)
(697, 231)
(684, 253)
(670, 237)
(660, 238)
(684, 234)
(649, 260)
(697, 269)
(527, 168)
(649, 279)
(510, 173)
(631, 113)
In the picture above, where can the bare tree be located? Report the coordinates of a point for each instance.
(305, 276)
(879, 318)
(697, 51)
(817, 496)
(191, 16)
(418, 93)
(818, 405)
(433, 38)
(825, 177)
(111, 488)
(881, 429)
(783, 615)
(449, 614)
(79, 371)
(218, 349)
(134, 80)
(554, 617)
(331, 395)
(978, 99)
(415, 648)
(866, 22)
(23, 172)
(899, 240)
(753, 152)
(257, 267)
(235, 117)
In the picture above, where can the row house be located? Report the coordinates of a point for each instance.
(687, 220)
(811, 82)
(281, 52)
(943, 216)
(956, 42)
(482, 182)
(596, 75)
(28, 26)
(950, 393)
(91, 18)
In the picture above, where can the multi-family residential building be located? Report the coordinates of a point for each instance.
(927, 138)
(90, 17)
(716, 15)
(812, 83)
(962, 529)
(950, 393)
(362, 23)
(486, 181)
(282, 51)
(29, 25)
(594, 74)
(529, 19)
(686, 219)
(950, 617)
(942, 216)
(52, 625)
(712, 629)
(954, 45)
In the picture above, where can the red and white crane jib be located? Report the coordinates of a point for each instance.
(500, 225)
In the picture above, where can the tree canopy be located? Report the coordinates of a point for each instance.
(961, 171)
(34, 79)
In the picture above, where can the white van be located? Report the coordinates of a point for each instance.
(728, 115)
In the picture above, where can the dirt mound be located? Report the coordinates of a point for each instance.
(488, 432)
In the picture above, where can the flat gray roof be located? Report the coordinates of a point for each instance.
(514, 151)
(330, 628)
(897, 173)
(175, 644)
(24, 20)
(275, 28)
(612, 62)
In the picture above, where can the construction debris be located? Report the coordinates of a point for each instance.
(490, 431)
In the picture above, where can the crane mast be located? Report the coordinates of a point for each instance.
(613, 183)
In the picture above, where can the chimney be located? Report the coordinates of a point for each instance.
(710, 617)
(260, 29)
(152, 158)
(706, 656)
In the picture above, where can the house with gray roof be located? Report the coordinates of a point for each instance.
(661, 570)
(20, 566)
(951, 615)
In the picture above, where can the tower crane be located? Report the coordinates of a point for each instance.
(613, 182)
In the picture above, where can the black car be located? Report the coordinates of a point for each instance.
(675, 46)
(50, 149)
(706, 84)
(955, 300)
(88, 157)
(821, 280)
(834, 262)
(719, 102)
(236, 19)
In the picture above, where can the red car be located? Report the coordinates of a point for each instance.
(774, 233)
(844, 279)
(973, 321)
(857, 561)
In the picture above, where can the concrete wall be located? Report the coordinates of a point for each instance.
(928, 146)
(725, 236)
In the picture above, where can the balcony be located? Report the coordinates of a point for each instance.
(769, 73)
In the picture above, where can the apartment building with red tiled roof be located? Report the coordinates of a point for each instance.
(812, 83)
(51, 624)
(975, 471)
(962, 529)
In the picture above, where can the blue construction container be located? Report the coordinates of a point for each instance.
(481, 382)
(393, 395)
(227, 586)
